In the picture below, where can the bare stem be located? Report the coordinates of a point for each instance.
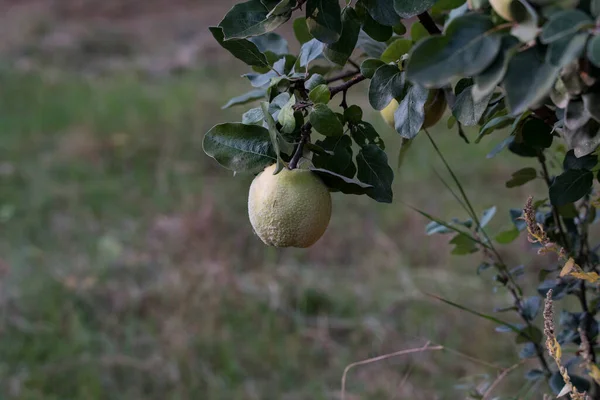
(347, 85)
(300, 149)
(429, 23)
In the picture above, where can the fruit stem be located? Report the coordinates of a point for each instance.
(300, 149)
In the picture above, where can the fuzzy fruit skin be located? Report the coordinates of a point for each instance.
(435, 106)
(502, 8)
(290, 209)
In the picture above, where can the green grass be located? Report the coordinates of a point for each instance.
(133, 272)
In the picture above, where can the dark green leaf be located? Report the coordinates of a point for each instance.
(342, 183)
(537, 134)
(353, 114)
(324, 20)
(463, 245)
(250, 19)
(467, 110)
(570, 186)
(273, 134)
(364, 134)
(387, 84)
(564, 23)
(340, 159)
(492, 125)
(557, 383)
(501, 146)
(253, 116)
(530, 307)
(508, 236)
(487, 216)
(241, 49)
(410, 8)
(490, 78)
(566, 50)
(530, 334)
(325, 121)
(320, 94)
(591, 102)
(399, 29)
(396, 50)
(534, 374)
(314, 81)
(272, 42)
(301, 30)
(586, 162)
(239, 147)
(521, 177)
(583, 140)
(466, 49)
(595, 8)
(382, 11)
(279, 8)
(340, 51)
(576, 114)
(558, 287)
(246, 98)
(516, 216)
(528, 351)
(372, 48)
(410, 115)
(374, 170)
(310, 51)
(593, 50)
(369, 66)
(278, 103)
(377, 31)
(528, 79)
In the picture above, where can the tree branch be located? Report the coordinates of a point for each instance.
(346, 85)
(341, 76)
(429, 23)
(300, 149)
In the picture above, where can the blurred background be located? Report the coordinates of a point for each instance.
(128, 267)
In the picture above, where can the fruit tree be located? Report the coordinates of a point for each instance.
(526, 71)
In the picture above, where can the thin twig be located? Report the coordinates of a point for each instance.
(346, 85)
(343, 75)
(300, 149)
(499, 379)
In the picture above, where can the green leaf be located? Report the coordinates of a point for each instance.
(371, 47)
(490, 78)
(591, 101)
(382, 11)
(537, 134)
(340, 51)
(314, 81)
(463, 245)
(467, 48)
(374, 170)
(325, 121)
(250, 19)
(259, 80)
(467, 110)
(320, 94)
(557, 383)
(570, 186)
(583, 140)
(528, 79)
(386, 85)
(369, 66)
(587, 162)
(396, 50)
(282, 7)
(530, 334)
(241, 49)
(566, 50)
(278, 103)
(564, 23)
(576, 114)
(377, 31)
(239, 147)
(508, 236)
(526, 29)
(521, 177)
(487, 216)
(418, 32)
(501, 146)
(301, 30)
(484, 316)
(410, 115)
(353, 114)
(410, 8)
(365, 134)
(246, 98)
(324, 20)
(342, 183)
(593, 50)
(340, 160)
(494, 124)
(399, 29)
(530, 307)
(286, 116)
(273, 134)
(253, 116)
(595, 8)
(272, 42)
(310, 51)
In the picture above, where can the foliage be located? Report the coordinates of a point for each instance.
(534, 77)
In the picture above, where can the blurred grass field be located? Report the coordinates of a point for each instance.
(129, 269)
